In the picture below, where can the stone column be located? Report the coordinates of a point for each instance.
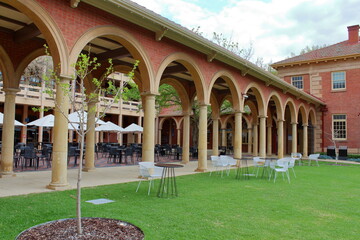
(202, 142)
(262, 147)
(269, 140)
(223, 137)
(280, 130)
(215, 140)
(160, 136)
(305, 140)
(7, 149)
(24, 128)
(186, 139)
(238, 135)
(139, 134)
(59, 155)
(178, 136)
(294, 137)
(250, 140)
(41, 129)
(255, 140)
(149, 127)
(119, 135)
(90, 139)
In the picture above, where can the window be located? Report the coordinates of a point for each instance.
(339, 126)
(297, 81)
(338, 80)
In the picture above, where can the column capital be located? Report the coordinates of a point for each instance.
(262, 116)
(280, 120)
(186, 113)
(149, 93)
(294, 123)
(204, 105)
(215, 118)
(11, 91)
(305, 125)
(66, 77)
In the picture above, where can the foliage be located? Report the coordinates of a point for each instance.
(307, 208)
(308, 49)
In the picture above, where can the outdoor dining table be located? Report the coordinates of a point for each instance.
(266, 168)
(168, 182)
(242, 170)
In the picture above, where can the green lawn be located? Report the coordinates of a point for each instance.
(321, 203)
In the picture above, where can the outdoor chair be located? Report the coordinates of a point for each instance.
(297, 156)
(258, 163)
(280, 166)
(113, 154)
(30, 158)
(128, 153)
(149, 171)
(292, 165)
(178, 153)
(45, 156)
(72, 153)
(314, 157)
(227, 162)
(217, 164)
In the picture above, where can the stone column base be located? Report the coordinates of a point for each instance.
(58, 186)
(182, 162)
(200, 170)
(7, 174)
(91, 169)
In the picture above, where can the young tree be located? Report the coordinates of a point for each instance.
(83, 101)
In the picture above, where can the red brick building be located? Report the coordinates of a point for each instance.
(332, 74)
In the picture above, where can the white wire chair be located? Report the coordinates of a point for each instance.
(148, 171)
(297, 156)
(314, 157)
(280, 166)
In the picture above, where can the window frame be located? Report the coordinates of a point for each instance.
(333, 126)
(332, 81)
(298, 80)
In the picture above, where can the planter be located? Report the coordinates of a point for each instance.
(93, 228)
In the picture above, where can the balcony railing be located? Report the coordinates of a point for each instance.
(37, 96)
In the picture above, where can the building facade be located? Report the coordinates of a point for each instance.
(331, 74)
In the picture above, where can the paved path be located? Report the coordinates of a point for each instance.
(36, 181)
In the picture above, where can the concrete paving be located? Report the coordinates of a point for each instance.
(36, 181)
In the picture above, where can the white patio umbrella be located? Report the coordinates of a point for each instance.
(109, 127)
(74, 118)
(133, 128)
(16, 123)
(47, 121)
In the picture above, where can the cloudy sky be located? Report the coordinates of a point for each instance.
(274, 27)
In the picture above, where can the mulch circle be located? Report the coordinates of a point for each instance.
(93, 228)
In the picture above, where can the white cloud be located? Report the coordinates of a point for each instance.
(275, 27)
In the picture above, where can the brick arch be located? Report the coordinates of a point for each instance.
(302, 110)
(215, 106)
(184, 97)
(126, 40)
(26, 61)
(7, 69)
(259, 97)
(253, 108)
(190, 64)
(49, 29)
(162, 120)
(277, 99)
(234, 88)
(312, 116)
(293, 111)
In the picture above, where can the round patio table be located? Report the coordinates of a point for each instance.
(243, 172)
(167, 185)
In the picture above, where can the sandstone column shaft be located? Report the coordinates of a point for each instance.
(90, 138)
(262, 142)
(7, 149)
(202, 142)
(280, 130)
(149, 128)
(186, 139)
(294, 138)
(215, 139)
(238, 135)
(59, 155)
(305, 140)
